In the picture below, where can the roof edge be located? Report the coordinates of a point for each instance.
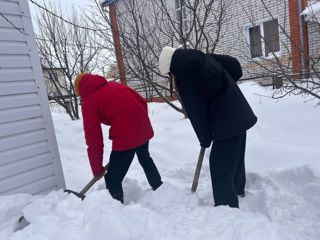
(106, 3)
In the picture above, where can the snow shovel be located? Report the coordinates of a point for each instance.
(22, 222)
(198, 169)
(81, 194)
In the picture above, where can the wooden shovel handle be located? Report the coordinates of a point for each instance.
(198, 169)
(94, 180)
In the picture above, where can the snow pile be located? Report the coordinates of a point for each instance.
(312, 12)
(282, 193)
(105, 3)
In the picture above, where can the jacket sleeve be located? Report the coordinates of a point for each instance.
(231, 65)
(197, 110)
(94, 138)
(139, 98)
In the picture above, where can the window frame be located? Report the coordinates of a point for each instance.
(260, 23)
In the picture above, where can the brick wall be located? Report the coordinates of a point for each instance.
(241, 15)
(246, 13)
(314, 43)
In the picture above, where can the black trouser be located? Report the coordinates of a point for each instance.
(227, 170)
(119, 164)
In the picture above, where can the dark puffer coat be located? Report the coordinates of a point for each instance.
(213, 101)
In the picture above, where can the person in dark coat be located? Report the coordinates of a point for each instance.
(126, 112)
(218, 112)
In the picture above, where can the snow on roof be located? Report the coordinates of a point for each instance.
(312, 12)
(105, 3)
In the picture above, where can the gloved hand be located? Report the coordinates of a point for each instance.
(99, 174)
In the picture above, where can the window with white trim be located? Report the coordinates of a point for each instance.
(181, 14)
(263, 39)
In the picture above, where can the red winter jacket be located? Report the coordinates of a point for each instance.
(115, 105)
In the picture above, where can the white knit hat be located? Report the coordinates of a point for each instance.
(165, 59)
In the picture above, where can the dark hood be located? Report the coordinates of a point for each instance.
(231, 64)
(90, 83)
(186, 62)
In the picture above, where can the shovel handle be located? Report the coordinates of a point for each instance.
(93, 181)
(198, 169)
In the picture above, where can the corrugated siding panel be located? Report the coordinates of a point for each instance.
(16, 114)
(29, 160)
(11, 34)
(14, 19)
(14, 141)
(17, 74)
(21, 100)
(46, 185)
(21, 126)
(13, 47)
(25, 178)
(10, 7)
(15, 61)
(18, 87)
(18, 167)
(23, 152)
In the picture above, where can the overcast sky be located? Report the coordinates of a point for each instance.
(66, 4)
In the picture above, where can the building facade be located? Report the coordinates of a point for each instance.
(312, 18)
(55, 81)
(268, 37)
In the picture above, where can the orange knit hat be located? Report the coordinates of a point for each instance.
(77, 82)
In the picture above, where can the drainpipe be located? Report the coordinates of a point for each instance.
(116, 39)
(301, 33)
(303, 37)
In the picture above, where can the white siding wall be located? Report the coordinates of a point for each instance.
(29, 157)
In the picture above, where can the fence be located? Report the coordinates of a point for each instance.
(277, 81)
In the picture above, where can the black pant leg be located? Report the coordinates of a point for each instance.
(224, 159)
(240, 177)
(148, 166)
(118, 167)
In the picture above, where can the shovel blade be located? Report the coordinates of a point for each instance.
(79, 195)
(22, 223)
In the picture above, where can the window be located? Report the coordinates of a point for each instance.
(263, 39)
(181, 15)
(55, 76)
(56, 93)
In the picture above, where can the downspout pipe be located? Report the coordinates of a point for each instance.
(117, 42)
(304, 39)
(301, 35)
(116, 38)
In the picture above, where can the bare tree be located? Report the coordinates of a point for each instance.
(147, 26)
(71, 46)
(305, 81)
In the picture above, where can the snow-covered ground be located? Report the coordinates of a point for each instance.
(282, 194)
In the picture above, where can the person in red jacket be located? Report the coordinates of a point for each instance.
(125, 111)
